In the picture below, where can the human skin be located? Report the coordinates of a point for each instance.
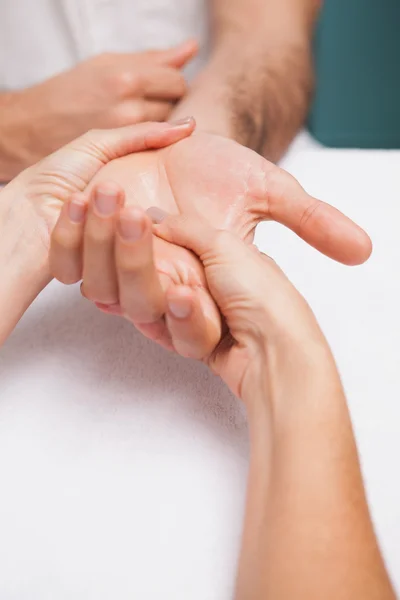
(257, 84)
(260, 98)
(105, 91)
(31, 204)
(307, 529)
(307, 532)
(205, 175)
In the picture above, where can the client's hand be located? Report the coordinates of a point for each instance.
(306, 512)
(229, 185)
(257, 302)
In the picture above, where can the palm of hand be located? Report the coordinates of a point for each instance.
(202, 175)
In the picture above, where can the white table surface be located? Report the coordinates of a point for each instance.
(123, 468)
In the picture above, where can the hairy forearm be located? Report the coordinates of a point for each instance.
(23, 263)
(257, 85)
(308, 533)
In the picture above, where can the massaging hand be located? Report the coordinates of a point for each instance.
(30, 205)
(110, 90)
(36, 196)
(231, 186)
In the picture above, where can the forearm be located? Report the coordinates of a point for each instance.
(14, 155)
(23, 265)
(257, 85)
(308, 533)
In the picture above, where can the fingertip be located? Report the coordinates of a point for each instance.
(110, 309)
(180, 302)
(110, 188)
(195, 330)
(362, 251)
(156, 214)
(190, 45)
(182, 53)
(76, 208)
(185, 122)
(165, 134)
(133, 223)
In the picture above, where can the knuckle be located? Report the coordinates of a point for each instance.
(132, 266)
(63, 239)
(222, 239)
(91, 136)
(96, 236)
(139, 112)
(181, 84)
(141, 313)
(125, 83)
(308, 214)
(129, 114)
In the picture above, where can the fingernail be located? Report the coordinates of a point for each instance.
(106, 202)
(113, 309)
(180, 308)
(76, 211)
(131, 227)
(181, 122)
(157, 215)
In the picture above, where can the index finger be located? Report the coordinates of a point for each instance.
(164, 83)
(176, 56)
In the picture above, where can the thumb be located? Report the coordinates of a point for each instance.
(178, 56)
(317, 223)
(73, 166)
(195, 234)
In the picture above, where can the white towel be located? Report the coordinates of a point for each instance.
(123, 468)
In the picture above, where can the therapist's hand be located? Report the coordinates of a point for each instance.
(31, 204)
(106, 91)
(40, 191)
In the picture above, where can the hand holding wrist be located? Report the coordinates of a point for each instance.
(23, 259)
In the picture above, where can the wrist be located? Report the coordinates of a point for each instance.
(288, 372)
(23, 259)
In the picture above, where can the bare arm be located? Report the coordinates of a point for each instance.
(109, 90)
(23, 260)
(308, 533)
(31, 203)
(257, 85)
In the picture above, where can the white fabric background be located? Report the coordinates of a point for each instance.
(123, 468)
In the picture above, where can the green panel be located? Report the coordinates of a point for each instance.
(357, 55)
